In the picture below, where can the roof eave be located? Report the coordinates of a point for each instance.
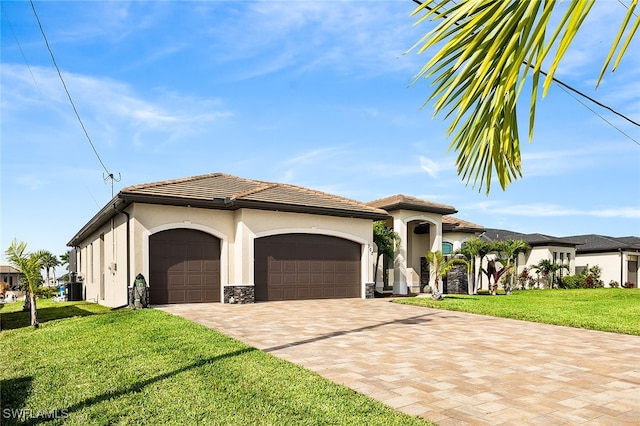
(327, 211)
(106, 213)
(420, 208)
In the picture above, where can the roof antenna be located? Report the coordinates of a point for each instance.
(113, 179)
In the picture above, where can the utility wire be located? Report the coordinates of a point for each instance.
(67, 91)
(559, 82)
(21, 51)
(603, 119)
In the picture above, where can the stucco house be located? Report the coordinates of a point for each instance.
(223, 238)
(617, 257)
(423, 226)
(10, 276)
(561, 250)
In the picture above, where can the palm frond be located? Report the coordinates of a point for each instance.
(486, 51)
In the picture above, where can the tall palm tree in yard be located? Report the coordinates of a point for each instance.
(49, 262)
(29, 265)
(486, 50)
(387, 241)
(439, 266)
(470, 251)
(548, 270)
(506, 256)
(508, 252)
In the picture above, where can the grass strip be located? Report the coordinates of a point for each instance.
(606, 309)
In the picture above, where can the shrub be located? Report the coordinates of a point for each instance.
(630, 284)
(614, 284)
(47, 292)
(574, 281)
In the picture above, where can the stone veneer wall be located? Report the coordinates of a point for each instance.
(239, 294)
(370, 291)
(457, 280)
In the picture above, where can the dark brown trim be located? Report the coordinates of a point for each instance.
(418, 208)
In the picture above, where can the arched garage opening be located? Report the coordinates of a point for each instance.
(184, 267)
(306, 266)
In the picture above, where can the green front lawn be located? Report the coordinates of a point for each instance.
(95, 366)
(604, 309)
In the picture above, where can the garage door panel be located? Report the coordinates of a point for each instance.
(184, 267)
(306, 266)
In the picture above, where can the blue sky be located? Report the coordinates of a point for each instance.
(310, 93)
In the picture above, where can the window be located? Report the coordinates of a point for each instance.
(447, 248)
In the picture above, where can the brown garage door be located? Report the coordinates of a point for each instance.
(184, 267)
(306, 266)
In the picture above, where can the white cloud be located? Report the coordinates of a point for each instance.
(32, 182)
(431, 167)
(553, 210)
(110, 110)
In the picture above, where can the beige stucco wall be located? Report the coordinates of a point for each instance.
(608, 262)
(102, 258)
(237, 231)
(406, 274)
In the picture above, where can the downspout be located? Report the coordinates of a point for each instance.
(128, 242)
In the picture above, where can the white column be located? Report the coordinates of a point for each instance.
(400, 259)
(436, 245)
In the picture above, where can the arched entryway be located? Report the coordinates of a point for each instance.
(306, 266)
(184, 267)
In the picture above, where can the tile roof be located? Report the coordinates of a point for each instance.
(8, 269)
(450, 223)
(407, 202)
(600, 243)
(492, 234)
(231, 191)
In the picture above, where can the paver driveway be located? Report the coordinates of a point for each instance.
(453, 368)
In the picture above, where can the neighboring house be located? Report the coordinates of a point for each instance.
(9, 283)
(221, 238)
(423, 226)
(617, 257)
(10, 276)
(561, 250)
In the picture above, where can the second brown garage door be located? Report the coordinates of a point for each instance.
(306, 266)
(184, 267)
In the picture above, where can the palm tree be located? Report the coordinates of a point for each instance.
(29, 265)
(548, 269)
(471, 249)
(506, 252)
(387, 241)
(49, 262)
(487, 49)
(509, 250)
(439, 266)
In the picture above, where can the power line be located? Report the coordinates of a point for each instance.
(603, 119)
(559, 82)
(21, 51)
(75, 110)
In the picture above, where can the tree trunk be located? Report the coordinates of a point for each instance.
(27, 301)
(375, 271)
(34, 312)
